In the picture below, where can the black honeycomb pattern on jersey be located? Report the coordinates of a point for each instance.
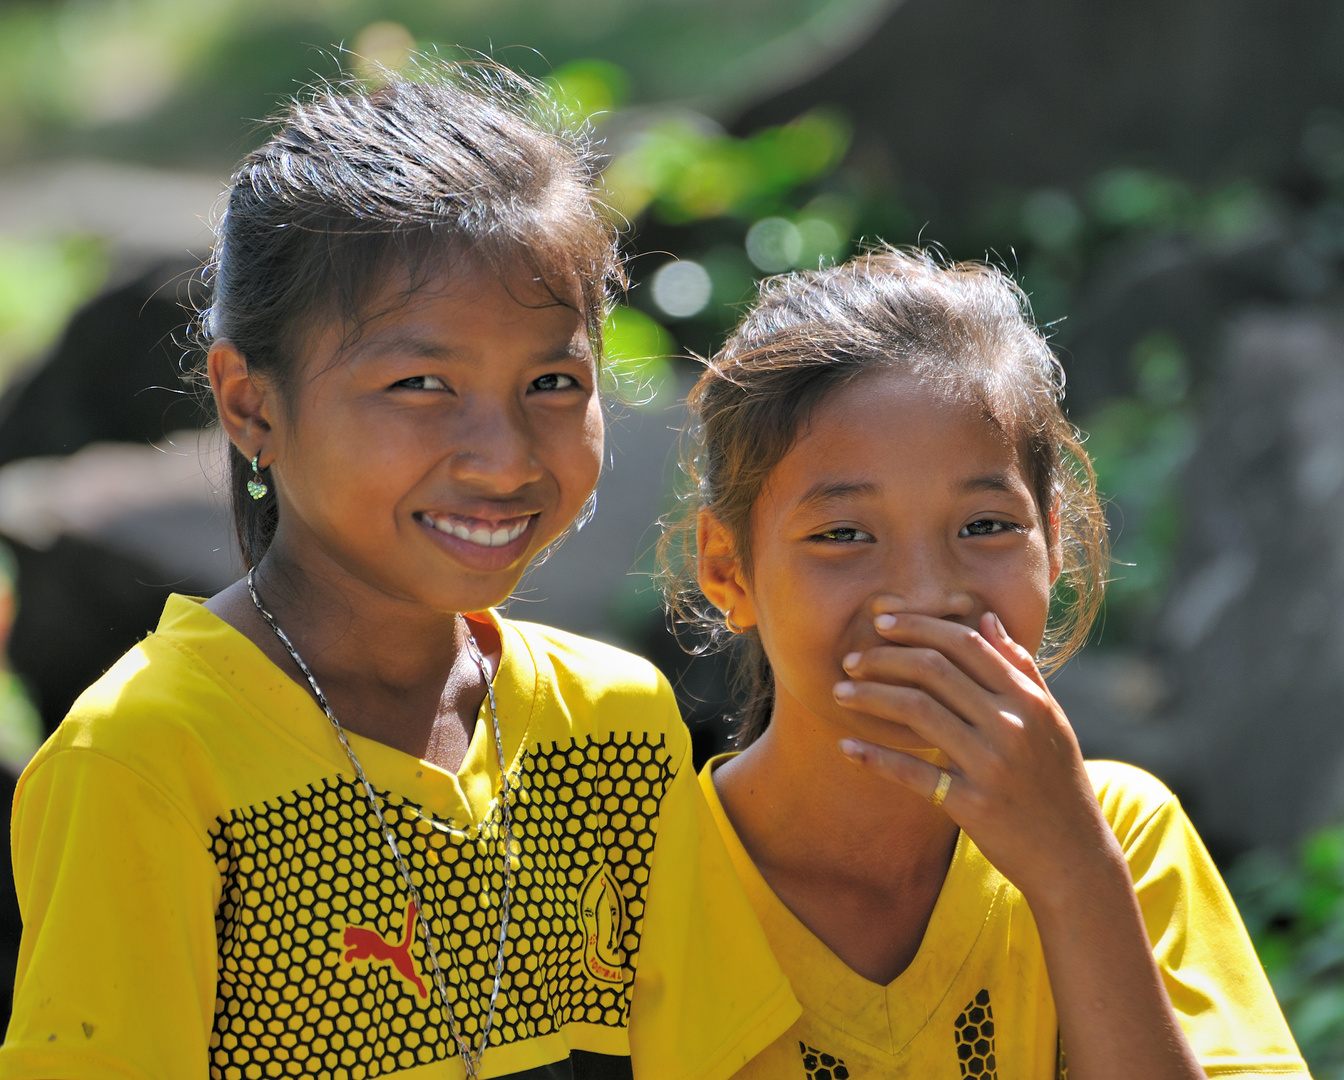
(1061, 1062)
(821, 1066)
(297, 870)
(975, 1038)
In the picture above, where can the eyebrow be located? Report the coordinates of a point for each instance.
(416, 345)
(999, 482)
(832, 490)
(403, 343)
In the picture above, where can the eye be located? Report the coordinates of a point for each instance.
(555, 381)
(989, 527)
(421, 382)
(846, 534)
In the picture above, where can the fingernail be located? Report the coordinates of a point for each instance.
(998, 625)
(851, 749)
(885, 622)
(850, 662)
(844, 691)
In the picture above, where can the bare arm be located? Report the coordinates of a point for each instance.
(1021, 792)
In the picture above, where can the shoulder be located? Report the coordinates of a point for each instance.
(180, 710)
(599, 684)
(1131, 800)
(600, 670)
(153, 690)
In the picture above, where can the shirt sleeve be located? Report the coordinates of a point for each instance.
(117, 967)
(1217, 986)
(708, 993)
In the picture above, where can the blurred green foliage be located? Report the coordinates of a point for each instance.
(1294, 910)
(711, 211)
(687, 174)
(41, 282)
(174, 83)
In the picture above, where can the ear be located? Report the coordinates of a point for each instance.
(244, 403)
(718, 571)
(1052, 539)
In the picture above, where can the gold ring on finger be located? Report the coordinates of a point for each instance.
(940, 792)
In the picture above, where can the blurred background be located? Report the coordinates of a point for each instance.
(1166, 179)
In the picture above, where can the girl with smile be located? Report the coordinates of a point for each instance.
(343, 819)
(887, 498)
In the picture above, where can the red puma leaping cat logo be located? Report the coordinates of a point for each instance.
(362, 944)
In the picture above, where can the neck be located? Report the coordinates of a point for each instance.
(392, 669)
(352, 630)
(859, 860)
(802, 800)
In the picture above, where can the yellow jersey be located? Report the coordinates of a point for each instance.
(205, 889)
(976, 999)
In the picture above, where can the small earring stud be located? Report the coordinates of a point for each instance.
(257, 487)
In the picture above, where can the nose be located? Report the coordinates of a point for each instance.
(495, 450)
(924, 581)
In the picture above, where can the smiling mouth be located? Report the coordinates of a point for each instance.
(482, 533)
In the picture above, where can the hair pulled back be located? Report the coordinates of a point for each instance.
(358, 184)
(963, 327)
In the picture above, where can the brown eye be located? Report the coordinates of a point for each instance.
(555, 381)
(421, 382)
(989, 527)
(845, 535)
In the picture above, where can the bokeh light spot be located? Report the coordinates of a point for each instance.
(774, 244)
(682, 288)
(381, 47)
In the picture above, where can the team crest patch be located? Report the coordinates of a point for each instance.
(975, 1039)
(821, 1066)
(602, 907)
(363, 943)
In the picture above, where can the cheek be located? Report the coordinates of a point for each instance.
(588, 455)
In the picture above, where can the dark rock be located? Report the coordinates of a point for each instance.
(1252, 632)
(965, 94)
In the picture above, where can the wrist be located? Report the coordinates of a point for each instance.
(1082, 883)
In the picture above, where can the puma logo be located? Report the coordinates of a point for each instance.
(364, 944)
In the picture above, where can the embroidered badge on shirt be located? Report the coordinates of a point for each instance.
(602, 907)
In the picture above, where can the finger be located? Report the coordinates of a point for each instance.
(992, 630)
(963, 645)
(929, 670)
(918, 775)
(871, 709)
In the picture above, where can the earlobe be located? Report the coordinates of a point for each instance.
(243, 403)
(719, 573)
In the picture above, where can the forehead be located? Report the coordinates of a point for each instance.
(453, 305)
(894, 432)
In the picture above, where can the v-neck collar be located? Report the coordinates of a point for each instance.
(465, 797)
(889, 1017)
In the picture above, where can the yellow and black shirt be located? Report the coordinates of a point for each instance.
(976, 1000)
(205, 889)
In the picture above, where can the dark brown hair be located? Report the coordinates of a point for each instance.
(965, 326)
(358, 183)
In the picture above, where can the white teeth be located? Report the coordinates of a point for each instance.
(481, 536)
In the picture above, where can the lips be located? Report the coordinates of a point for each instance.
(482, 532)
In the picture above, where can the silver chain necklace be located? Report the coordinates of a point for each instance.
(471, 1060)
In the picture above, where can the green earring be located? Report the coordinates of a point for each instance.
(256, 487)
